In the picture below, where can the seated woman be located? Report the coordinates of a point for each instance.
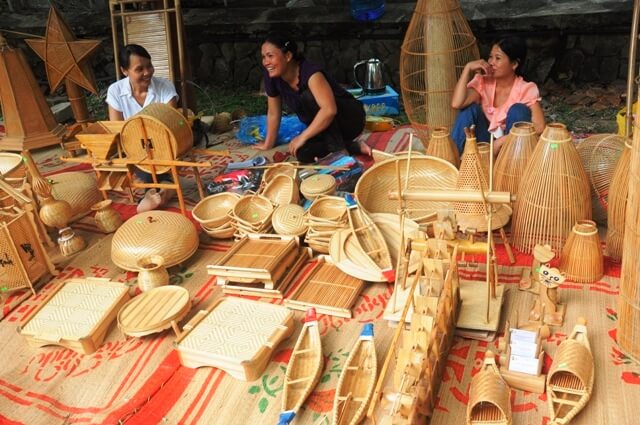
(493, 95)
(334, 118)
(128, 96)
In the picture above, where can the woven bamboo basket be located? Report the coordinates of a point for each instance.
(514, 156)
(79, 189)
(281, 168)
(252, 210)
(318, 184)
(441, 146)
(427, 173)
(581, 259)
(618, 193)
(213, 211)
(225, 231)
(289, 220)
(436, 47)
(324, 208)
(599, 155)
(152, 273)
(555, 194)
(159, 132)
(282, 190)
(12, 168)
(489, 396)
(484, 154)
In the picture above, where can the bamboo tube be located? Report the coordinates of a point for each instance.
(618, 193)
(581, 259)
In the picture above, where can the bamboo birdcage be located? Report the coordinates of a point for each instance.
(618, 192)
(581, 259)
(599, 154)
(514, 157)
(436, 47)
(441, 146)
(555, 194)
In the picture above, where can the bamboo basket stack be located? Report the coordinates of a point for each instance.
(514, 157)
(325, 216)
(599, 155)
(618, 192)
(441, 146)
(581, 259)
(251, 214)
(555, 194)
(437, 45)
(213, 214)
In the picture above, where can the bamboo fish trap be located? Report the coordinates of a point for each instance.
(514, 157)
(489, 396)
(441, 146)
(437, 45)
(581, 259)
(618, 193)
(555, 194)
(599, 155)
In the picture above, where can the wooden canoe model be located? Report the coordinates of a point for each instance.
(570, 381)
(371, 241)
(303, 370)
(357, 381)
(489, 396)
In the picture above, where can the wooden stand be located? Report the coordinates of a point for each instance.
(519, 380)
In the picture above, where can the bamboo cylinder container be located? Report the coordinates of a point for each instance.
(581, 259)
(152, 273)
(107, 218)
(514, 156)
(441, 146)
(555, 194)
(618, 192)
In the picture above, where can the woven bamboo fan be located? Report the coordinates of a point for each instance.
(427, 173)
(618, 193)
(514, 156)
(441, 146)
(555, 194)
(213, 211)
(489, 396)
(282, 190)
(436, 47)
(581, 259)
(157, 132)
(599, 155)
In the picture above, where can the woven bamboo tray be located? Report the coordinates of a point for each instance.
(76, 314)
(326, 288)
(428, 173)
(167, 234)
(289, 220)
(154, 310)
(213, 211)
(235, 335)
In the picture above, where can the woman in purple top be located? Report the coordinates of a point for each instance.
(334, 118)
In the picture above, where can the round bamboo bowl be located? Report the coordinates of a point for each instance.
(213, 211)
(318, 184)
(581, 259)
(555, 194)
(327, 209)
(618, 193)
(165, 127)
(441, 146)
(514, 157)
(289, 220)
(282, 190)
(225, 231)
(12, 168)
(426, 172)
(599, 155)
(252, 210)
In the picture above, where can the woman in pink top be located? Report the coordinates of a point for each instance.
(492, 95)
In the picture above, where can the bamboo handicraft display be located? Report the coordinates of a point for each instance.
(76, 314)
(154, 311)
(303, 370)
(554, 195)
(489, 396)
(581, 259)
(436, 47)
(289, 220)
(514, 157)
(235, 335)
(618, 195)
(371, 241)
(107, 218)
(441, 146)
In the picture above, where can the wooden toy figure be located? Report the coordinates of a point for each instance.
(529, 280)
(547, 309)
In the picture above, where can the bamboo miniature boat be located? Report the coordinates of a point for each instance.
(489, 396)
(357, 381)
(371, 241)
(570, 381)
(304, 368)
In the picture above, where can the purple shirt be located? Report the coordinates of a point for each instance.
(292, 98)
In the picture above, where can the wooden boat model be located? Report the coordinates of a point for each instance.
(357, 381)
(368, 236)
(489, 396)
(570, 380)
(303, 370)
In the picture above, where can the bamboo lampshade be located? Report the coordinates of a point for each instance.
(618, 192)
(436, 47)
(514, 156)
(599, 154)
(581, 259)
(441, 146)
(555, 194)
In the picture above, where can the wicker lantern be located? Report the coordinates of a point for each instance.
(437, 46)
(618, 192)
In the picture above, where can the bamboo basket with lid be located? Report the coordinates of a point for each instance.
(581, 259)
(514, 156)
(318, 184)
(289, 220)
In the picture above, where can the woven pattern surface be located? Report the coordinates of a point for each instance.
(289, 220)
(618, 191)
(441, 146)
(581, 259)
(489, 399)
(78, 189)
(514, 157)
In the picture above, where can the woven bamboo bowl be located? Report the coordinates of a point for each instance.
(282, 168)
(11, 166)
(289, 220)
(225, 231)
(252, 210)
(282, 190)
(318, 184)
(327, 209)
(213, 211)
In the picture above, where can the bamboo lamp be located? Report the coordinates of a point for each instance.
(441, 146)
(437, 45)
(514, 156)
(599, 154)
(581, 259)
(555, 194)
(618, 194)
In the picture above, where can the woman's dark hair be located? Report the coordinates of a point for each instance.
(285, 44)
(132, 49)
(516, 49)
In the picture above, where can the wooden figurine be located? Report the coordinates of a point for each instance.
(546, 309)
(529, 280)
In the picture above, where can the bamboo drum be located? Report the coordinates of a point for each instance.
(618, 193)
(441, 146)
(581, 259)
(555, 194)
(514, 157)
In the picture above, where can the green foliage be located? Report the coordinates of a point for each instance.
(215, 99)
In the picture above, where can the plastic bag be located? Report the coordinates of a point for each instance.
(254, 129)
